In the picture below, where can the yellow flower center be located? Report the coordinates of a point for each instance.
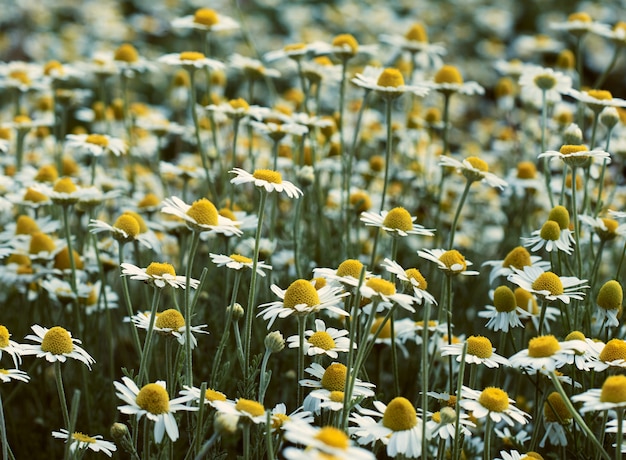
(545, 81)
(34, 196)
(504, 299)
(241, 259)
(377, 163)
(494, 399)
(333, 437)
(614, 389)
(62, 260)
(65, 185)
(25, 225)
(518, 257)
(214, 395)
(560, 214)
(4, 336)
(477, 163)
(480, 346)
(453, 257)
(526, 301)
(160, 269)
(334, 378)
(600, 94)
(398, 219)
(346, 41)
(417, 33)
(569, 149)
(97, 139)
(360, 201)
(385, 332)
(449, 74)
(613, 350)
(526, 170)
(191, 56)
(350, 267)
(57, 341)
(22, 119)
(319, 282)
(610, 296)
(127, 224)
(415, 274)
(278, 420)
(18, 259)
(504, 87)
(550, 231)
(543, 346)
(47, 173)
(301, 292)
(203, 212)
(52, 66)
(436, 417)
(170, 319)
(294, 47)
(206, 17)
(268, 175)
(248, 406)
(390, 78)
(532, 456)
(575, 335)
(153, 398)
(323, 340)
(149, 201)
(126, 53)
(580, 16)
(555, 410)
(239, 103)
(381, 286)
(400, 415)
(80, 437)
(40, 242)
(550, 282)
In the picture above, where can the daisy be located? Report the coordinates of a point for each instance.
(536, 81)
(201, 216)
(157, 274)
(252, 68)
(551, 238)
(384, 292)
(505, 313)
(237, 262)
(96, 144)
(270, 181)
(210, 395)
(245, 409)
(556, 416)
(323, 340)
(152, 401)
(452, 262)
(280, 418)
(80, 441)
(448, 80)
(207, 20)
(612, 354)
(397, 222)
(587, 351)
(607, 229)
(168, 322)
(479, 351)
(346, 274)
(125, 229)
(297, 51)
(411, 277)
(387, 82)
(302, 298)
(9, 346)
(548, 285)
(609, 302)
(321, 443)
(597, 99)
(576, 155)
(7, 375)
(398, 427)
(578, 24)
(518, 257)
(610, 397)
(494, 403)
(55, 344)
(415, 41)
(543, 353)
(442, 424)
(474, 169)
(191, 60)
(65, 191)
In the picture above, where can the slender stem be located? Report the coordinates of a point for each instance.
(246, 440)
(207, 446)
(3, 433)
(188, 308)
(446, 122)
(199, 424)
(542, 315)
(264, 379)
(129, 304)
(576, 227)
(269, 447)
(457, 407)
(68, 238)
(301, 329)
(466, 190)
(620, 433)
(388, 150)
(236, 121)
(426, 319)
(296, 238)
(148, 342)
(61, 391)
(546, 161)
(196, 123)
(225, 335)
(488, 430)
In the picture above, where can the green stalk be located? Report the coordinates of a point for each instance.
(466, 190)
(488, 430)
(576, 227)
(301, 329)
(188, 308)
(61, 391)
(425, 331)
(196, 124)
(229, 316)
(620, 434)
(129, 304)
(148, 342)
(546, 161)
(457, 407)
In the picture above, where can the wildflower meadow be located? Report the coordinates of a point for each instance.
(312, 230)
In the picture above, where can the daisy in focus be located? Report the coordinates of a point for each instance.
(55, 344)
(452, 262)
(81, 442)
(551, 238)
(201, 216)
(169, 323)
(245, 409)
(270, 181)
(210, 395)
(504, 313)
(8, 375)
(576, 155)
(611, 396)
(479, 351)
(539, 83)
(323, 341)
(125, 229)
(237, 262)
(9, 346)
(544, 353)
(397, 222)
(411, 277)
(158, 274)
(321, 443)
(96, 144)
(494, 403)
(519, 258)
(548, 285)
(388, 82)
(474, 169)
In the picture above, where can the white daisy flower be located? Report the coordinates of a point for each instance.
(9, 346)
(297, 51)
(494, 403)
(605, 228)
(518, 257)
(168, 322)
(387, 82)
(551, 238)
(246, 409)
(152, 401)
(543, 353)
(191, 60)
(534, 80)
(548, 285)
(505, 313)
(448, 80)
(55, 344)
(321, 443)
(210, 395)
(415, 41)
(610, 397)
(251, 67)
(612, 354)
(126, 228)
(64, 192)
(397, 222)
(323, 341)
(452, 262)
(267, 179)
(207, 20)
(412, 277)
(578, 23)
(80, 441)
(474, 169)
(158, 274)
(280, 418)
(398, 427)
(385, 293)
(576, 155)
(96, 144)
(346, 274)
(442, 424)
(479, 351)
(201, 216)
(7, 375)
(302, 298)
(237, 262)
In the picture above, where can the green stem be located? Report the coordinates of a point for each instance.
(488, 430)
(225, 335)
(600, 81)
(466, 190)
(388, 106)
(61, 391)
(620, 433)
(236, 121)
(148, 342)
(301, 329)
(246, 440)
(446, 122)
(68, 238)
(425, 331)
(196, 123)
(3, 433)
(296, 238)
(576, 227)
(457, 408)
(129, 304)
(188, 308)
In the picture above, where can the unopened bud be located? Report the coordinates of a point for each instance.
(237, 312)
(274, 342)
(572, 135)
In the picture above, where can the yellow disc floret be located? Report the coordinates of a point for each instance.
(214, 395)
(301, 292)
(191, 56)
(323, 340)
(251, 407)
(346, 42)
(398, 219)
(350, 267)
(560, 214)
(385, 332)
(390, 77)
(333, 437)
(570, 149)
(65, 185)
(34, 196)
(417, 33)
(170, 319)
(610, 296)
(126, 53)
(268, 175)
(4, 336)
(550, 231)
(494, 399)
(381, 286)
(97, 139)
(613, 350)
(543, 346)
(128, 224)
(241, 259)
(413, 274)
(504, 299)
(80, 437)
(453, 258)
(160, 269)
(239, 103)
(614, 389)
(206, 17)
(550, 282)
(579, 16)
(47, 173)
(478, 163)
(25, 225)
(40, 242)
(479, 346)
(57, 341)
(448, 74)
(203, 212)
(334, 378)
(526, 170)
(153, 398)
(518, 257)
(400, 415)
(555, 410)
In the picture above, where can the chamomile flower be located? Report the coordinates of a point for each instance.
(548, 285)
(385, 293)
(191, 60)
(415, 41)
(448, 80)
(96, 144)
(387, 82)
(609, 302)
(269, 180)
(551, 238)
(442, 424)
(323, 341)
(125, 229)
(412, 277)
(79, 441)
(612, 354)
(397, 222)
(578, 23)
(280, 418)
(494, 403)
(153, 401)
(534, 81)
(210, 395)
(169, 323)
(556, 416)
(8, 375)
(347, 273)
(452, 262)
(519, 258)
(302, 298)
(64, 192)
(201, 216)
(159, 274)
(9, 346)
(479, 351)
(543, 353)
(237, 262)
(55, 344)
(398, 427)
(611, 396)
(474, 169)
(252, 68)
(245, 409)
(586, 351)
(505, 313)
(576, 155)
(321, 443)
(207, 20)
(606, 228)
